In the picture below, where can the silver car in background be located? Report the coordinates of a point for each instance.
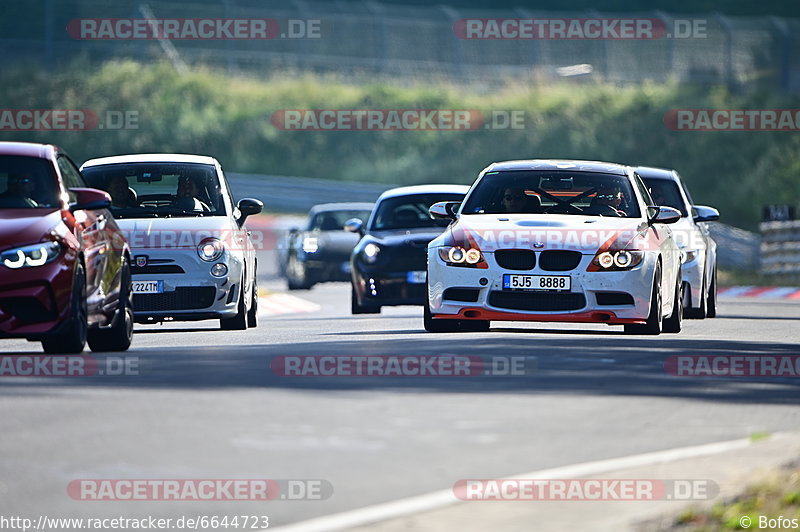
(698, 249)
(193, 259)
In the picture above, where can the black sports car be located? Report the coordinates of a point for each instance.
(320, 250)
(389, 263)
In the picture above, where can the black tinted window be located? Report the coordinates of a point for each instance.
(159, 189)
(666, 193)
(409, 212)
(26, 183)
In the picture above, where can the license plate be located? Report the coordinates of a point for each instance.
(536, 282)
(148, 287)
(417, 277)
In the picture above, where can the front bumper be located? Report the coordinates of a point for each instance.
(612, 297)
(190, 292)
(390, 288)
(35, 301)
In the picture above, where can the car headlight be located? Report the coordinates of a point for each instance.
(210, 249)
(370, 253)
(310, 244)
(459, 256)
(616, 260)
(30, 256)
(688, 255)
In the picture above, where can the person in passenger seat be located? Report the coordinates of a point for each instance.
(187, 193)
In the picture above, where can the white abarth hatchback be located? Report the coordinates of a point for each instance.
(569, 241)
(193, 259)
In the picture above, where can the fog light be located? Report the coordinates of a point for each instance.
(219, 270)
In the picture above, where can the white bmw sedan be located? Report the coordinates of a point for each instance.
(698, 249)
(193, 259)
(568, 241)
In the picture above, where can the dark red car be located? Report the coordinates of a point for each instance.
(64, 264)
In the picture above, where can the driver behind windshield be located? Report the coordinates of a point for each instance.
(121, 194)
(188, 192)
(514, 200)
(607, 202)
(19, 192)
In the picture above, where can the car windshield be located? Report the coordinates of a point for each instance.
(410, 212)
(141, 190)
(548, 192)
(335, 220)
(666, 193)
(27, 183)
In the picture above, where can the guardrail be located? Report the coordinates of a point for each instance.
(298, 194)
(780, 248)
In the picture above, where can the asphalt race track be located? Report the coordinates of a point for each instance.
(207, 404)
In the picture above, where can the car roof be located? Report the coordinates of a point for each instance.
(28, 149)
(152, 158)
(424, 189)
(651, 172)
(326, 207)
(559, 164)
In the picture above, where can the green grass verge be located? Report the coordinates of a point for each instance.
(209, 112)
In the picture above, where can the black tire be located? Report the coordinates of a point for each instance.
(238, 322)
(297, 275)
(355, 308)
(673, 322)
(438, 326)
(119, 336)
(654, 318)
(698, 313)
(252, 314)
(72, 339)
(711, 304)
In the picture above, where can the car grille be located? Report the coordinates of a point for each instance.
(183, 298)
(393, 290)
(408, 259)
(167, 268)
(559, 260)
(26, 309)
(515, 259)
(543, 301)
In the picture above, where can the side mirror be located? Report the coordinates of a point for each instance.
(248, 207)
(444, 210)
(703, 213)
(89, 199)
(354, 225)
(663, 215)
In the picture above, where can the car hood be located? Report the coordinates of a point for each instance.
(413, 237)
(19, 227)
(182, 232)
(587, 234)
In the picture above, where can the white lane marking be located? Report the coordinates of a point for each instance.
(284, 304)
(443, 498)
